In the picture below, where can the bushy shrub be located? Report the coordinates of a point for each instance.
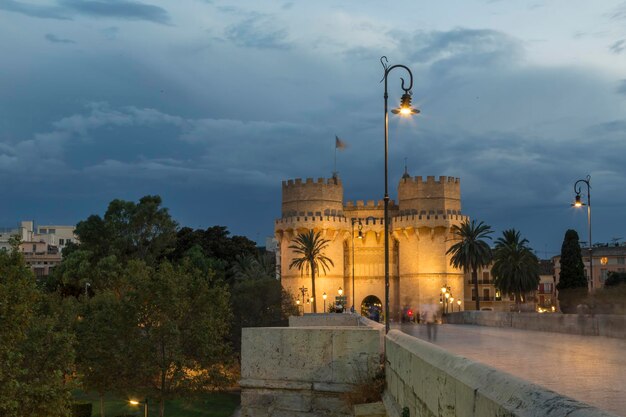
(82, 409)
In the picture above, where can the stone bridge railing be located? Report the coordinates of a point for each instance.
(431, 382)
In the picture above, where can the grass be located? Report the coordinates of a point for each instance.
(206, 405)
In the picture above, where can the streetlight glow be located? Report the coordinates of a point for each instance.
(134, 402)
(340, 290)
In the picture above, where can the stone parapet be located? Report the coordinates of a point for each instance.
(607, 325)
(302, 371)
(432, 382)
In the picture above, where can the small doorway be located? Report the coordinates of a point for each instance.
(372, 308)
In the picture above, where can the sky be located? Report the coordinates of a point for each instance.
(211, 104)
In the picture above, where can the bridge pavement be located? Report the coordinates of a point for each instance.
(591, 369)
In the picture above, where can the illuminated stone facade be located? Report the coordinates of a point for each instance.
(419, 237)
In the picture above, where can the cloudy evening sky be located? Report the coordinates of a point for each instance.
(210, 104)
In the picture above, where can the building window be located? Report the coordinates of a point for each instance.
(61, 242)
(620, 260)
(43, 231)
(34, 248)
(52, 231)
(486, 294)
(485, 275)
(473, 294)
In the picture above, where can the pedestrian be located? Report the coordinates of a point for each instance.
(431, 322)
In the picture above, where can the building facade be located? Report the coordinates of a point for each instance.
(608, 258)
(420, 235)
(40, 246)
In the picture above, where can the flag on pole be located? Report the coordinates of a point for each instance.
(339, 144)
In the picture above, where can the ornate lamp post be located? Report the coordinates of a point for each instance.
(579, 203)
(405, 109)
(360, 237)
(324, 297)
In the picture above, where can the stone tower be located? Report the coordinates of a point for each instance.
(420, 236)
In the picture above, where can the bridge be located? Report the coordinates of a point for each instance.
(590, 369)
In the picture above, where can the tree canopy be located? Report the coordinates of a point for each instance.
(310, 247)
(515, 267)
(36, 351)
(471, 252)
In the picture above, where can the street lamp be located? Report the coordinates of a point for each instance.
(360, 237)
(458, 303)
(145, 405)
(340, 291)
(451, 300)
(298, 306)
(579, 203)
(405, 109)
(324, 297)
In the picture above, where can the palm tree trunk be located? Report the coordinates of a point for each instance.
(475, 279)
(314, 303)
(101, 404)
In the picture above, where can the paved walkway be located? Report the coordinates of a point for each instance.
(590, 369)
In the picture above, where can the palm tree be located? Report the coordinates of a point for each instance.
(310, 245)
(471, 251)
(515, 267)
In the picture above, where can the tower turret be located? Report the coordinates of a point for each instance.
(323, 197)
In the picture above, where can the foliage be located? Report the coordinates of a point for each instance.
(259, 302)
(215, 244)
(35, 347)
(178, 344)
(471, 252)
(572, 284)
(104, 334)
(615, 278)
(310, 246)
(81, 409)
(128, 230)
(214, 404)
(515, 267)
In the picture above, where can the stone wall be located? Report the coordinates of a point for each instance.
(597, 325)
(303, 371)
(434, 383)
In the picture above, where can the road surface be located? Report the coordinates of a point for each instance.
(591, 369)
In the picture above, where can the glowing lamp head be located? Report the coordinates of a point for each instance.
(340, 291)
(298, 302)
(134, 402)
(405, 108)
(443, 290)
(447, 295)
(451, 299)
(458, 302)
(324, 296)
(578, 202)
(312, 299)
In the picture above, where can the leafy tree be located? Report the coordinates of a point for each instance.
(35, 345)
(179, 342)
(103, 333)
(216, 244)
(572, 284)
(128, 230)
(471, 252)
(615, 278)
(310, 246)
(515, 267)
(257, 297)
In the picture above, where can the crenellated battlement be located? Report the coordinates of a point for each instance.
(431, 194)
(297, 182)
(373, 204)
(322, 197)
(430, 179)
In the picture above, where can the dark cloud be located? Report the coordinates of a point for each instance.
(618, 46)
(258, 31)
(461, 49)
(55, 39)
(621, 88)
(33, 10)
(618, 13)
(122, 9)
